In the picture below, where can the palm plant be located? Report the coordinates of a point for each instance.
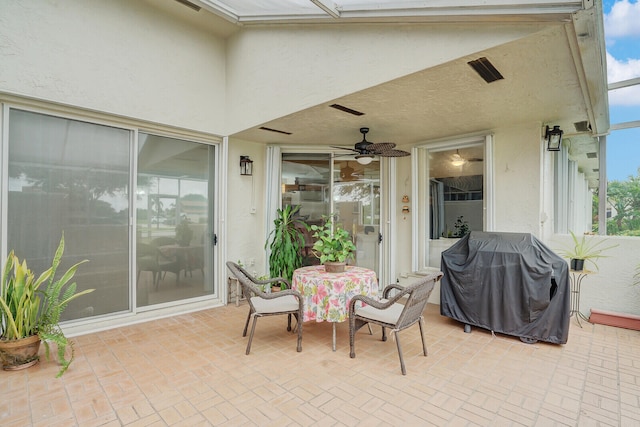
(585, 249)
(287, 242)
(27, 310)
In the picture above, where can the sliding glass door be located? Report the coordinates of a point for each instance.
(74, 178)
(323, 185)
(174, 240)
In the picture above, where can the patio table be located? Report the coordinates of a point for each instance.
(326, 296)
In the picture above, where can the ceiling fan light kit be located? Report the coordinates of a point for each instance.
(364, 159)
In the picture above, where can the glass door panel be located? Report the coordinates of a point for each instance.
(173, 220)
(72, 177)
(306, 181)
(356, 198)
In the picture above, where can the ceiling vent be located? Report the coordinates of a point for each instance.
(189, 5)
(486, 70)
(592, 155)
(275, 130)
(583, 126)
(346, 109)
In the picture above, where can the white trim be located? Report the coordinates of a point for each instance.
(133, 219)
(388, 173)
(415, 197)
(489, 186)
(602, 186)
(221, 209)
(4, 177)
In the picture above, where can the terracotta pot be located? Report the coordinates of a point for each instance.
(19, 354)
(335, 267)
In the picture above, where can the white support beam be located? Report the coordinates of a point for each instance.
(624, 83)
(328, 7)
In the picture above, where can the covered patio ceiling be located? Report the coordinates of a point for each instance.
(555, 76)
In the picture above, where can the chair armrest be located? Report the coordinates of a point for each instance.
(391, 287)
(274, 280)
(283, 293)
(381, 305)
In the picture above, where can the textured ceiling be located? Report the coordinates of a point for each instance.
(451, 99)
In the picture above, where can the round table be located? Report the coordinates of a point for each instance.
(326, 296)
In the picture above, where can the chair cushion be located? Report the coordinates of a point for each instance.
(390, 315)
(275, 305)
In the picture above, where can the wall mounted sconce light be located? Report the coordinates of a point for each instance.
(553, 138)
(246, 165)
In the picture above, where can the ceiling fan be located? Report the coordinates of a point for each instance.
(347, 173)
(368, 150)
(458, 160)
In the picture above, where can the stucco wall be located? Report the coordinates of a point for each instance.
(246, 228)
(117, 56)
(517, 179)
(611, 286)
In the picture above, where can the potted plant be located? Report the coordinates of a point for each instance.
(461, 226)
(184, 233)
(333, 245)
(287, 242)
(584, 250)
(30, 309)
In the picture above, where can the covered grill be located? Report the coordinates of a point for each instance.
(509, 283)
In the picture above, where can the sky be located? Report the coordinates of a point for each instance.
(622, 38)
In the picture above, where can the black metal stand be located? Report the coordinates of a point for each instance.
(576, 281)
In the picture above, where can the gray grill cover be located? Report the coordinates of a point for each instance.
(509, 283)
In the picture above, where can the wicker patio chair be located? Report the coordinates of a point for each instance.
(391, 313)
(261, 304)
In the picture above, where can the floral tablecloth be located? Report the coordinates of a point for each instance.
(326, 295)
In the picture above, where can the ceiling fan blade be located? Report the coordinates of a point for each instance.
(394, 153)
(380, 147)
(346, 148)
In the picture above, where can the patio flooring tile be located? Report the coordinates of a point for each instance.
(191, 370)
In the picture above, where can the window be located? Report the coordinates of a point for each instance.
(456, 191)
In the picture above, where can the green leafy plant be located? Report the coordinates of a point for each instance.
(587, 249)
(333, 243)
(26, 309)
(461, 226)
(286, 242)
(184, 233)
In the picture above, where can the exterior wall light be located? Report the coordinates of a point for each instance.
(553, 138)
(246, 165)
